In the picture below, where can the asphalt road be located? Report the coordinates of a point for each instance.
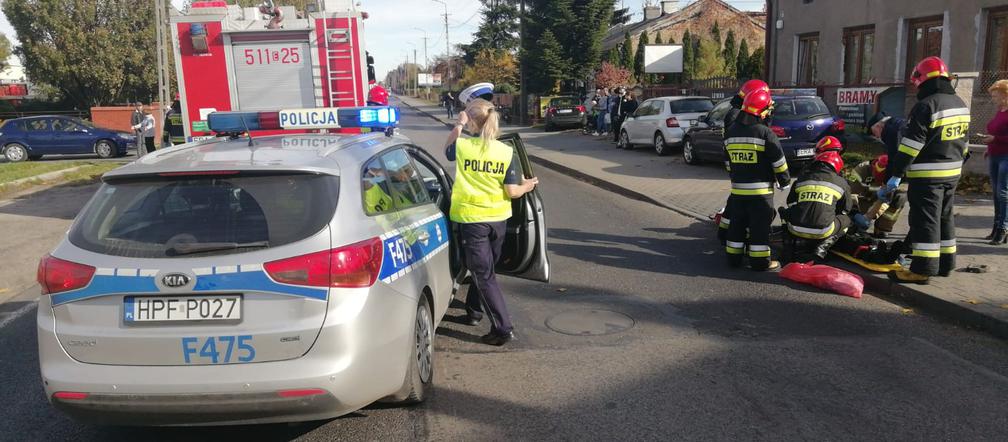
(693, 351)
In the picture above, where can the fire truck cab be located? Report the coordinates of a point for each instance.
(230, 58)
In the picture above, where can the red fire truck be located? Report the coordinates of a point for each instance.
(230, 58)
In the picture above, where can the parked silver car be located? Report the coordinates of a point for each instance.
(661, 122)
(292, 278)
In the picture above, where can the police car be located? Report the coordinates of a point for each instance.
(279, 278)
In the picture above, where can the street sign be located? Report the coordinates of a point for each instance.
(429, 80)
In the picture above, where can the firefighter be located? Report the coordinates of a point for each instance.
(930, 156)
(888, 130)
(819, 205)
(724, 218)
(377, 96)
(755, 160)
(865, 179)
(173, 132)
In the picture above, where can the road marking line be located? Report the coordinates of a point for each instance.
(18, 313)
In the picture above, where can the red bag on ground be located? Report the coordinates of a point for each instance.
(825, 277)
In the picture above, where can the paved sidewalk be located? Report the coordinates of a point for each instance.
(979, 300)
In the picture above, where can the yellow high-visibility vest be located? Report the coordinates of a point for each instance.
(478, 195)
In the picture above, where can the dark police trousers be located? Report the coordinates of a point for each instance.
(752, 213)
(932, 234)
(481, 245)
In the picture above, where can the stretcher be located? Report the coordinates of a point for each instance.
(877, 268)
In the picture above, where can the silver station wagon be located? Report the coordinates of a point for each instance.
(283, 278)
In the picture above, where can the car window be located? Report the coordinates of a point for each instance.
(691, 105)
(800, 108)
(61, 125)
(377, 196)
(404, 180)
(564, 101)
(657, 107)
(430, 179)
(39, 124)
(644, 109)
(204, 215)
(718, 113)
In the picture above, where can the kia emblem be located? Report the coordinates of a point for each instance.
(809, 126)
(175, 280)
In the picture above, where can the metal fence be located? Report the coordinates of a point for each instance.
(982, 107)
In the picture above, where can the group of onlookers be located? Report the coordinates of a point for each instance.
(609, 107)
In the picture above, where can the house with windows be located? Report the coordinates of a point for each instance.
(670, 20)
(831, 44)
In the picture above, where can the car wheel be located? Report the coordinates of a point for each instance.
(659, 145)
(15, 153)
(104, 149)
(421, 364)
(624, 141)
(688, 155)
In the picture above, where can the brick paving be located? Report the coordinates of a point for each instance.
(699, 191)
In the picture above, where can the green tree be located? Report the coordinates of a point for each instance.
(93, 51)
(658, 39)
(687, 44)
(626, 53)
(715, 33)
(498, 30)
(709, 62)
(553, 66)
(612, 56)
(638, 66)
(729, 53)
(5, 50)
(756, 63)
(742, 61)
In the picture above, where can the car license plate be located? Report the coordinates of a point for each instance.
(805, 152)
(182, 308)
(564, 111)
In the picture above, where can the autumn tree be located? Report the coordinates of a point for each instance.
(610, 75)
(496, 66)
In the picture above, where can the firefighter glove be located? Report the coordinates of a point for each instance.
(860, 221)
(885, 192)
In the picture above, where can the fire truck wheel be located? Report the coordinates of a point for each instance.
(15, 153)
(104, 149)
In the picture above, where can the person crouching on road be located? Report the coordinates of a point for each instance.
(756, 161)
(865, 179)
(487, 178)
(146, 129)
(819, 204)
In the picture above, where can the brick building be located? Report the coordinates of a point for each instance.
(671, 21)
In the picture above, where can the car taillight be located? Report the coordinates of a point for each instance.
(355, 265)
(581, 108)
(839, 125)
(56, 275)
(70, 395)
(551, 110)
(672, 122)
(779, 131)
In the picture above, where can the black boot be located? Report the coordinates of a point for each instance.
(1000, 237)
(992, 234)
(824, 246)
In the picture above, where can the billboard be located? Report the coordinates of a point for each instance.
(663, 59)
(428, 80)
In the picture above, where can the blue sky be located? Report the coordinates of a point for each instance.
(391, 34)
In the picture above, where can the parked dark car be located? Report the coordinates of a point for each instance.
(30, 138)
(799, 122)
(565, 112)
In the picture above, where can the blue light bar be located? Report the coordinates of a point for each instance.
(374, 117)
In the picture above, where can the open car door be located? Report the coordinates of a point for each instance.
(438, 183)
(524, 254)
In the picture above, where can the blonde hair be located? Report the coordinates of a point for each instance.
(1000, 86)
(484, 120)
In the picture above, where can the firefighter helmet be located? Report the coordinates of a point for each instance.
(879, 168)
(832, 158)
(378, 96)
(827, 144)
(927, 69)
(752, 86)
(758, 103)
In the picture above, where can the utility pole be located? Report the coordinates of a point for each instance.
(416, 85)
(523, 99)
(164, 82)
(447, 43)
(426, 60)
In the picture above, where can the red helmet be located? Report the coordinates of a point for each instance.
(879, 168)
(378, 96)
(832, 158)
(757, 103)
(827, 144)
(927, 69)
(752, 86)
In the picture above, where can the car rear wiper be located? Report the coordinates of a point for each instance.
(818, 115)
(200, 247)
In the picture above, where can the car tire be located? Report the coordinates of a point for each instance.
(15, 153)
(420, 376)
(624, 141)
(659, 145)
(688, 154)
(104, 149)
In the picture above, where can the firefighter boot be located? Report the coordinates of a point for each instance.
(825, 245)
(946, 264)
(908, 276)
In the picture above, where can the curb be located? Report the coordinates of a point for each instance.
(881, 285)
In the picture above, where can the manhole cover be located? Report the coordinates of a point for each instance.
(589, 322)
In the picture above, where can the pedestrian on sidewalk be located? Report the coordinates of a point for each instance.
(997, 157)
(615, 101)
(136, 118)
(628, 105)
(601, 109)
(930, 155)
(487, 178)
(449, 103)
(146, 130)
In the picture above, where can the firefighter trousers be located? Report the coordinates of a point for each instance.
(753, 214)
(932, 235)
(722, 231)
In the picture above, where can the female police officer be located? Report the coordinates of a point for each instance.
(487, 177)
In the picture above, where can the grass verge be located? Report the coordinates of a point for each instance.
(88, 173)
(15, 171)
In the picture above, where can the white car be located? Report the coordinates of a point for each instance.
(661, 122)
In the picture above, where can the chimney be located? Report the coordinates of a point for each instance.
(651, 12)
(669, 7)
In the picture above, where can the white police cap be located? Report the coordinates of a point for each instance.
(472, 92)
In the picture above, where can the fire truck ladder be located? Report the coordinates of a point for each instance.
(340, 54)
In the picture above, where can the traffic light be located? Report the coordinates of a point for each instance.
(370, 67)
